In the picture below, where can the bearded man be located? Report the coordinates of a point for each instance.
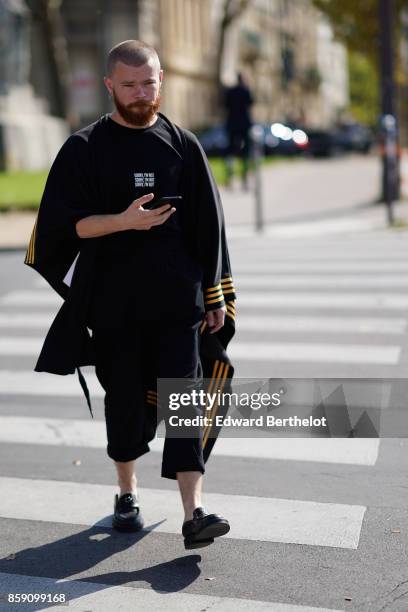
(147, 280)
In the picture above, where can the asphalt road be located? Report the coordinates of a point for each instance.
(316, 524)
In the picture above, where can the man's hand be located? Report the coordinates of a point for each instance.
(215, 319)
(137, 218)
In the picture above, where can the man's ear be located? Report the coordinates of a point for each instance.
(161, 73)
(108, 84)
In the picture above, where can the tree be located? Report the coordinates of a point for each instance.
(356, 23)
(232, 9)
(364, 86)
(47, 14)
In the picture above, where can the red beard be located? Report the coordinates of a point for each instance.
(138, 114)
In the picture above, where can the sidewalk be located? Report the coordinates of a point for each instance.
(15, 229)
(298, 200)
(308, 197)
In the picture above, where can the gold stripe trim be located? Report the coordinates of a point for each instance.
(217, 369)
(229, 290)
(30, 251)
(214, 376)
(215, 407)
(213, 295)
(215, 288)
(218, 299)
(33, 240)
(214, 372)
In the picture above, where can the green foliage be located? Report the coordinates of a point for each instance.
(357, 23)
(364, 88)
(21, 190)
(219, 170)
(311, 79)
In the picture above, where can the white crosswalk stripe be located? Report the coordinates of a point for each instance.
(333, 353)
(259, 281)
(81, 433)
(270, 322)
(31, 298)
(295, 324)
(20, 346)
(276, 266)
(28, 320)
(83, 595)
(331, 524)
(288, 351)
(377, 301)
(21, 382)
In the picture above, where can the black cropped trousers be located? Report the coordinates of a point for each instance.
(125, 358)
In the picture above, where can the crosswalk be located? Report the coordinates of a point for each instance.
(83, 595)
(307, 307)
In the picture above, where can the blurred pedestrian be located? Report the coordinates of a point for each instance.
(238, 101)
(148, 279)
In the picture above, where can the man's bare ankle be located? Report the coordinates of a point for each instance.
(128, 487)
(188, 512)
(127, 490)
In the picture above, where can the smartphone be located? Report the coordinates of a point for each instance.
(161, 201)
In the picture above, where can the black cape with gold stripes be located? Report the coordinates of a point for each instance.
(54, 245)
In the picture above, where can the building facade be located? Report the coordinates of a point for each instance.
(296, 70)
(29, 134)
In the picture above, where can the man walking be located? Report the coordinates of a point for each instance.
(148, 278)
(238, 102)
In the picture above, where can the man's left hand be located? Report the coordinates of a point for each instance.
(215, 319)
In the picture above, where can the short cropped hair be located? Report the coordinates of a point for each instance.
(132, 53)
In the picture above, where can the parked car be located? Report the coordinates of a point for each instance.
(279, 139)
(343, 139)
(355, 137)
(323, 143)
(214, 141)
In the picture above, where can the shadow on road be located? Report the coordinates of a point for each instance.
(79, 552)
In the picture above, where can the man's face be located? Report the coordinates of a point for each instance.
(136, 91)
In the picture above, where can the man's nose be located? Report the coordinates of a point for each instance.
(139, 92)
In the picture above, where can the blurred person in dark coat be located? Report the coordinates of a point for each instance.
(238, 101)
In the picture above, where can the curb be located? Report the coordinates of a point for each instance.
(13, 249)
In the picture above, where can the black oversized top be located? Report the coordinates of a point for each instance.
(82, 182)
(94, 173)
(144, 275)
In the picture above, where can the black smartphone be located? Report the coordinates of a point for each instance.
(161, 201)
